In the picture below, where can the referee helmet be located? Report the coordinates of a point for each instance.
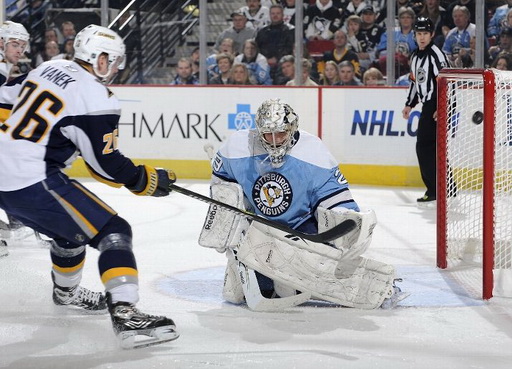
(424, 24)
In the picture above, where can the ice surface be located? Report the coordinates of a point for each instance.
(443, 324)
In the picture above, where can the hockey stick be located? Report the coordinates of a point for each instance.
(340, 230)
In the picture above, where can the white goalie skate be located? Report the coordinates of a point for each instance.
(135, 329)
(396, 295)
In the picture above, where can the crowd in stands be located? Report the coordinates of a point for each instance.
(345, 41)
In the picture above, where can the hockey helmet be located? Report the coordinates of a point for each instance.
(94, 40)
(12, 31)
(275, 116)
(424, 24)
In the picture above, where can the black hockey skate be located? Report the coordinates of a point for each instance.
(79, 297)
(135, 329)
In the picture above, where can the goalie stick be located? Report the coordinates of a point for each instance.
(338, 231)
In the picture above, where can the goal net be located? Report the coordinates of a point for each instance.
(474, 170)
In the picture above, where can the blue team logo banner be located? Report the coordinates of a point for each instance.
(242, 119)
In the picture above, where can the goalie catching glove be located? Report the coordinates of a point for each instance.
(153, 181)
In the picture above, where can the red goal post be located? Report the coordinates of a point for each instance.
(474, 171)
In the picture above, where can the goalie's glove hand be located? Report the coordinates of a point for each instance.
(153, 181)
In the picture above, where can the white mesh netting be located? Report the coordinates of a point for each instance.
(464, 153)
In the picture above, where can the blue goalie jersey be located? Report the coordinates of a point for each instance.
(290, 194)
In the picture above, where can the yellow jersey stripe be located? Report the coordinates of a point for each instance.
(118, 272)
(95, 198)
(69, 269)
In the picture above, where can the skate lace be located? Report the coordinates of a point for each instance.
(87, 296)
(129, 311)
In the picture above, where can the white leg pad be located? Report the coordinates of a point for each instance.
(232, 290)
(316, 268)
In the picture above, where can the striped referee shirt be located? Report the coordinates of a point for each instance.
(425, 67)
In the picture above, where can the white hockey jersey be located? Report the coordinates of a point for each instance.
(309, 178)
(62, 111)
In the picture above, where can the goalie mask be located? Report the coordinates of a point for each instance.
(12, 31)
(94, 40)
(277, 125)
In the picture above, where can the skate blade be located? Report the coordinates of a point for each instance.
(427, 205)
(393, 301)
(146, 338)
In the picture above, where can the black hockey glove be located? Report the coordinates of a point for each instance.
(153, 181)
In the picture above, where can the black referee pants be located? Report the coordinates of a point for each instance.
(426, 146)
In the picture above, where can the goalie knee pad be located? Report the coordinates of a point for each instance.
(223, 229)
(356, 242)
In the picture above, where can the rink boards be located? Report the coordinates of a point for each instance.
(363, 127)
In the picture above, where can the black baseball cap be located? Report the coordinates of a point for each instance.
(368, 9)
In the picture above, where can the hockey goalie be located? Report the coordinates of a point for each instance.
(288, 176)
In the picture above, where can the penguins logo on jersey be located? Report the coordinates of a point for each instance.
(421, 75)
(272, 194)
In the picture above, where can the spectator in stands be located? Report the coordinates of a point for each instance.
(347, 75)
(331, 75)
(502, 62)
(381, 18)
(289, 11)
(352, 30)
(240, 75)
(306, 78)
(504, 44)
(405, 43)
(322, 19)
(471, 6)
(256, 63)
(51, 34)
(67, 30)
(286, 70)
(437, 14)
(373, 77)
(258, 16)
(225, 63)
(238, 32)
(194, 58)
(372, 32)
(226, 46)
(275, 40)
(353, 7)
(499, 19)
(184, 74)
(68, 50)
(341, 52)
(460, 36)
(51, 49)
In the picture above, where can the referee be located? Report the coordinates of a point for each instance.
(426, 62)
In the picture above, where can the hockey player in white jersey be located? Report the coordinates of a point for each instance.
(64, 110)
(14, 40)
(288, 175)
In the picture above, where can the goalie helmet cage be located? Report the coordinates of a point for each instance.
(474, 171)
